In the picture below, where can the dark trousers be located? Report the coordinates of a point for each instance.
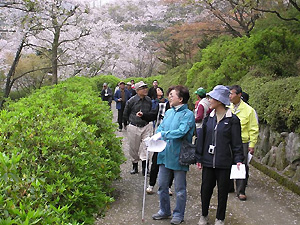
(120, 116)
(211, 176)
(241, 183)
(154, 172)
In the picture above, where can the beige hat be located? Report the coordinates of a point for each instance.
(140, 85)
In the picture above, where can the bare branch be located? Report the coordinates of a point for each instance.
(277, 14)
(294, 3)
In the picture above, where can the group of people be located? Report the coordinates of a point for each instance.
(121, 95)
(226, 128)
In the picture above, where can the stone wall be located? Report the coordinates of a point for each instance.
(279, 151)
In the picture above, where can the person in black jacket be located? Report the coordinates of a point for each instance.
(106, 94)
(138, 112)
(219, 145)
(152, 91)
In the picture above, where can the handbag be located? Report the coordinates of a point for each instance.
(187, 154)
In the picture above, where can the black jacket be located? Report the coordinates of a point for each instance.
(135, 104)
(226, 139)
(109, 95)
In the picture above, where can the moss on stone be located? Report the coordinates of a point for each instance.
(284, 181)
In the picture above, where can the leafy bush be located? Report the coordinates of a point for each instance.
(111, 81)
(223, 61)
(274, 51)
(64, 154)
(275, 101)
(175, 76)
(278, 50)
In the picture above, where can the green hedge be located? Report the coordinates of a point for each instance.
(276, 101)
(59, 156)
(111, 81)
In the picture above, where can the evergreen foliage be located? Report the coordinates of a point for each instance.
(264, 65)
(59, 156)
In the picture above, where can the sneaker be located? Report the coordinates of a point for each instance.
(149, 190)
(170, 192)
(120, 129)
(176, 220)
(219, 222)
(242, 197)
(203, 220)
(158, 216)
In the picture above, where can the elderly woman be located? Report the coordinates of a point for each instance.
(178, 123)
(163, 105)
(219, 145)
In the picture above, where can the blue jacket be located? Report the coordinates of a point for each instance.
(174, 127)
(118, 95)
(226, 139)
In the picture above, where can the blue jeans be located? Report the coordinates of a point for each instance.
(163, 191)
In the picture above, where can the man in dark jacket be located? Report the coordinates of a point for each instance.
(130, 89)
(138, 111)
(152, 90)
(121, 97)
(106, 94)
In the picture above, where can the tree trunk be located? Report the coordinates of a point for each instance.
(55, 44)
(12, 70)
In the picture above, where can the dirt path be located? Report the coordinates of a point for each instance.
(268, 203)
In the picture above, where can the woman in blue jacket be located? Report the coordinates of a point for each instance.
(178, 123)
(219, 145)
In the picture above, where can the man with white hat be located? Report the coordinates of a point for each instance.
(138, 111)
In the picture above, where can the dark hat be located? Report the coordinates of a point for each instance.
(221, 94)
(245, 97)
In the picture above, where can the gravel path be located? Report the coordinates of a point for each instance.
(268, 203)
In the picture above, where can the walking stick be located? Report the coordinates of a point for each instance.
(145, 184)
(152, 146)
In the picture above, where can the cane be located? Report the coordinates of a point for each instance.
(145, 184)
(152, 146)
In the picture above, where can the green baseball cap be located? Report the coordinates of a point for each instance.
(200, 91)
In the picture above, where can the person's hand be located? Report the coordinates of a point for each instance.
(199, 165)
(120, 99)
(139, 114)
(251, 150)
(155, 137)
(238, 165)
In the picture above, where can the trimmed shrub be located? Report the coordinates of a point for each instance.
(68, 155)
(111, 81)
(275, 101)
